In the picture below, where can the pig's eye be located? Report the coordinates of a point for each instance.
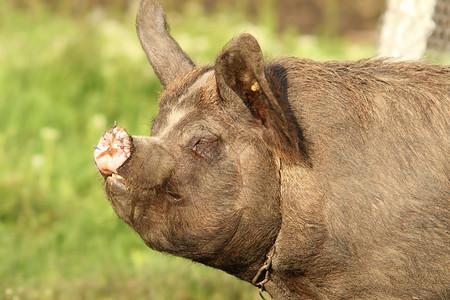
(206, 148)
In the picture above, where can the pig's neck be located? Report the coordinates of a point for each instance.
(298, 248)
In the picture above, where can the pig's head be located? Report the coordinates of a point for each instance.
(206, 184)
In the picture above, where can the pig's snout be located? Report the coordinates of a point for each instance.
(112, 150)
(141, 161)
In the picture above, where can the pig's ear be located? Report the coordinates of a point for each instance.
(240, 72)
(165, 55)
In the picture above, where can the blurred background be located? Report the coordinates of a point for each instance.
(68, 70)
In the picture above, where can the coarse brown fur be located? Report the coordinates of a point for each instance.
(374, 204)
(341, 169)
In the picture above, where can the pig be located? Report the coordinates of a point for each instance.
(310, 180)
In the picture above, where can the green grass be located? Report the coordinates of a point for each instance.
(63, 82)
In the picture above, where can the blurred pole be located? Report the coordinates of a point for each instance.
(406, 27)
(439, 41)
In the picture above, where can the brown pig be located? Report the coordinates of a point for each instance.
(312, 180)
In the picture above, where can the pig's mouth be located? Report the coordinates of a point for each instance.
(118, 182)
